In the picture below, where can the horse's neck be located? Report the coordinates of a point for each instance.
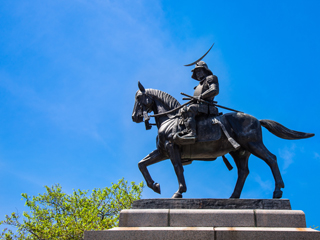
(160, 107)
(163, 102)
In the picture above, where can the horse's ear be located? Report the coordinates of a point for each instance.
(141, 88)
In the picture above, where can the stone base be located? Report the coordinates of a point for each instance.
(201, 233)
(211, 203)
(209, 219)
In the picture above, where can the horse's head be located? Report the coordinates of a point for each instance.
(142, 106)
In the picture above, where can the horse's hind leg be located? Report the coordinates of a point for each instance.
(152, 158)
(241, 159)
(258, 149)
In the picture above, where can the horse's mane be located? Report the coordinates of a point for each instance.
(164, 97)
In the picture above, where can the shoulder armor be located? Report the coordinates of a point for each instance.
(212, 79)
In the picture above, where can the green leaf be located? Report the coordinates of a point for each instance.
(57, 215)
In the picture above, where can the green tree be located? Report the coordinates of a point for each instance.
(57, 215)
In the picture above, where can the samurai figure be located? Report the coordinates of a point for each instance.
(207, 89)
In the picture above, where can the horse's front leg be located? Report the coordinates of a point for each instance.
(175, 158)
(152, 158)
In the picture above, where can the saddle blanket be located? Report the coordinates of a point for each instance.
(206, 130)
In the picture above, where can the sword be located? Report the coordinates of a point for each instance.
(210, 103)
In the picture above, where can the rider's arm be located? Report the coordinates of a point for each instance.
(213, 87)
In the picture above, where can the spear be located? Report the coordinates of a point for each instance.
(209, 103)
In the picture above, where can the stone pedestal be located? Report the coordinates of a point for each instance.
(211, 203)
(209, 219)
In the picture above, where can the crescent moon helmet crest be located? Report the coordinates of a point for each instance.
(200, 58)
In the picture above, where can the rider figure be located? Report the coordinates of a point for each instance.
(207, 89)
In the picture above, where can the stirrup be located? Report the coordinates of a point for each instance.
(182, 140)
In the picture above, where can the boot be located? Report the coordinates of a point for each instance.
(191, 129)
(191, 135)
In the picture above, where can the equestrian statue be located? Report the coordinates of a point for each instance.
(197, 131)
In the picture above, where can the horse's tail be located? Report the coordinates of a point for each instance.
(283, 132)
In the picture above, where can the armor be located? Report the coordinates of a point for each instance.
(207, 89)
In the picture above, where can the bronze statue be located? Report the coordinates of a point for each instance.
(199, 132)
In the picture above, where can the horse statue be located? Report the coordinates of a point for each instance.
(237, 133)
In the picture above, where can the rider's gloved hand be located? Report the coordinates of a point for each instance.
(199, 97)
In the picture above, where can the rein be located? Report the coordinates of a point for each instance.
(172, 110)
(147, 117)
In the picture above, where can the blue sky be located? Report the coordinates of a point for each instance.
(69, 73)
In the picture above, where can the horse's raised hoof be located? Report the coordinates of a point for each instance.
(177, 195)
(277, 194)
(156, 188)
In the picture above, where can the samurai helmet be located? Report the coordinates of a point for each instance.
(204, 66)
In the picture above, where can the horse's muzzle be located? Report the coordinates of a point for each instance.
(137, 119)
